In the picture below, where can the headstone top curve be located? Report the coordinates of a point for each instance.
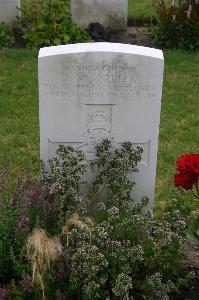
(101, 47)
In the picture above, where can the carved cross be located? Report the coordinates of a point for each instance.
(99, 127)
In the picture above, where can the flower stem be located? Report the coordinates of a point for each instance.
(197, 190)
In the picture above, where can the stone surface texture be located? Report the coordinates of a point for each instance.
(109, 13)
(9, 11)
(93, 91)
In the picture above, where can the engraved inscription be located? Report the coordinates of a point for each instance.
(87, 76)
(99, 80)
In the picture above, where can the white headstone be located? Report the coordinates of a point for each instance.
(9, 11)
(89, 92)
(109, 13)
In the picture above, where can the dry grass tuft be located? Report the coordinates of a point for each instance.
(42, 250)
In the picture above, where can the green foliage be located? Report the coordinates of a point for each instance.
(111, 247)
(178, 25)
(62, 184)
(193, 229)
(6, 36)
(112, 169)
(9, 248)
(48, 23)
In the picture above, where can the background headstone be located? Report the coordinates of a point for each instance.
(89, 92)
(109, 13)
(9, 11)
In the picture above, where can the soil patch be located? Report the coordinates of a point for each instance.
(133, 35)
(190, 270)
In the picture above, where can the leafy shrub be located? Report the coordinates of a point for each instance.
(48, 22)
(6, 36)
(95, 246)
(178, 24)
(13, 225)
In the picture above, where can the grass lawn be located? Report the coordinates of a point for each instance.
(19, 128)
(179, 116)
(19, 121)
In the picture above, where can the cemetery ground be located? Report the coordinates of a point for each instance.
(19, 121)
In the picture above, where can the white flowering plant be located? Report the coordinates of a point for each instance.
(108, 246)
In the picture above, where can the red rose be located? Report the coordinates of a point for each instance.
(186, 181)
(188, 163)
(188, 166)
